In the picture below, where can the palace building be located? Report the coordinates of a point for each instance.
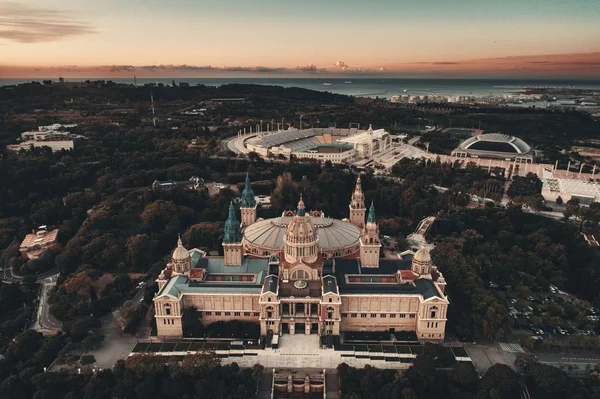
(304, 273)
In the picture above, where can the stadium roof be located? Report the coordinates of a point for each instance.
(496, 142)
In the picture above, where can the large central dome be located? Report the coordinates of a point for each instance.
(335, 237)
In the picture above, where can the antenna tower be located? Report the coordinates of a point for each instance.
(153, 114)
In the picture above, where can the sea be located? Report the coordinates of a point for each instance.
(369, 87)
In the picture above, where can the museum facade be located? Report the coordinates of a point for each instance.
(304, 273)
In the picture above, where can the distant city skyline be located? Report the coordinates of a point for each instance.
(206, 38)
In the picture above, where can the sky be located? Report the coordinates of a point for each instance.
(310, 36)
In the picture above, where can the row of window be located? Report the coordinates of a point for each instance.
(431, 335)
(432, 324)
(237, 314)
(381, 315)
(169, 321)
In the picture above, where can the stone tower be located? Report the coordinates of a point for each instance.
(421, 261)
(370, 245)
(301, 239)
(248, 205)
(357, 206)
(180, 259)
(232, 240)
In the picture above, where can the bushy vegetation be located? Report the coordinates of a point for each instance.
(428, 379)
(508, 247)
(140, 377)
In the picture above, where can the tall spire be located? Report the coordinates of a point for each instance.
(232, 232)
(301, 211)
(371, 218)
(358, 198)
(248, 200)
(179, 242)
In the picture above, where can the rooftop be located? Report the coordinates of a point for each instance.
(345, 267)
(496, 142)
(214, 265)
(332, 233)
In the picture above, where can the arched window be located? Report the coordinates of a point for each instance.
(433, 311)
(167, 309)
(269, 312)
(300, 275)
(330, 311)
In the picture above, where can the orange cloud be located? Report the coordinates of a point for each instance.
(580, 64)
(563, 65)
(24, 24)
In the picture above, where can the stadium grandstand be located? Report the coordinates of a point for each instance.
(324, 144)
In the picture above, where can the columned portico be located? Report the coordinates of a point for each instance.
(300, 315)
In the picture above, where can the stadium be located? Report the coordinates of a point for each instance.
(495, 146)
(323, 144)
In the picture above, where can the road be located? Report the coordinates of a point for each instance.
(116, 344)
(332, 384)
(485, 356)
(45, 321)
(265, 384)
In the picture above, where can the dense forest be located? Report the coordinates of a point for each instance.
(432, 378)
(139, 377)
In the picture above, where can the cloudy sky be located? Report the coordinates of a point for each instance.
(376, 35)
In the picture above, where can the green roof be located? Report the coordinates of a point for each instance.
(371, 218)
(248, 200)
(233, 233)
(181, 285)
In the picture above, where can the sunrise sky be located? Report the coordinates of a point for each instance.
(453, 36)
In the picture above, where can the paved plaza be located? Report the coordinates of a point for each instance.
(303, 351)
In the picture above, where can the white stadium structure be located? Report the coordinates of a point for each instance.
(322, 144)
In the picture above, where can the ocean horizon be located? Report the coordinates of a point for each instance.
(380, 87)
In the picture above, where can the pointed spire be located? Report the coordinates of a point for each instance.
(231, 215)
(301, 211)
(371, 218)
(179, 242)
(232, 232)
(248, 200)
(358, 199)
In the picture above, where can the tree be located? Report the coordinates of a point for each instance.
(500, 381)
(200, 363)
(286, 193)
(87, 360)
(572, 208)
(140, 251)
(191, 323)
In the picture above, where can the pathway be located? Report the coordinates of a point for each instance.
(45, 321)
(303, 351)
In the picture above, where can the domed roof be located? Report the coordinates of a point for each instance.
(497, 142)
(301, 230)
(333, 234)
(180, 253)
(422, 255)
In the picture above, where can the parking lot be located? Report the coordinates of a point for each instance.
(547, 314)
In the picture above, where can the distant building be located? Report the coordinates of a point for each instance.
(53, 144)
(584, 191)
(323, 144)
(495, 146)
(52, 136)
(35, 244)
(263, 200)
(194, 183)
